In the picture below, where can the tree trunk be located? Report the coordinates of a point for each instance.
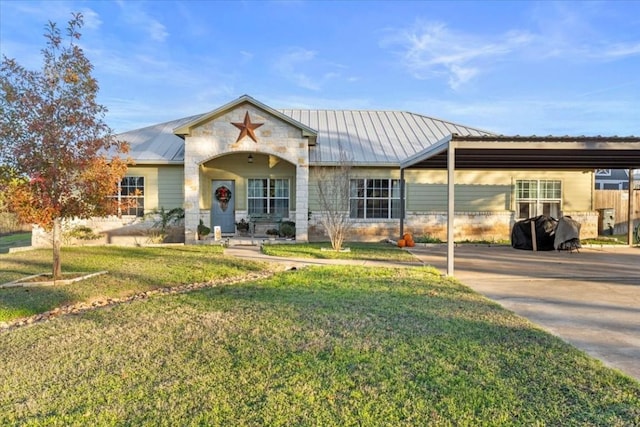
(57, 244)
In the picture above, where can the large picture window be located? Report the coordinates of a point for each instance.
(131, 196)
(268, 195)
(374, 198)
(538, 197)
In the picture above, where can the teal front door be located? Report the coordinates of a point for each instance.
(223, 210)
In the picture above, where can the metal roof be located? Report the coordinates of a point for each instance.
(401, 139)
(530, 152)
(156, 144)
(376, 138)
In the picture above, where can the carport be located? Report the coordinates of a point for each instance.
(457, 152)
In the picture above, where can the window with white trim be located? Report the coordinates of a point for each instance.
(374, 198)
(538, 197)
(131, 196)
(268, 195)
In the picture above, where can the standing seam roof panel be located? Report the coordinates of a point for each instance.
(376, 151)
(349, 142)
(397, 120)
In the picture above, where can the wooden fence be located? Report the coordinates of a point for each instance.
(619, 201)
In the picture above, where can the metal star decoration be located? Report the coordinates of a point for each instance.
(247, 128)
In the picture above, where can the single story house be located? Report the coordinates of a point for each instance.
(246, 158)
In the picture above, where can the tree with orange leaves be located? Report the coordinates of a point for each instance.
(54, 138)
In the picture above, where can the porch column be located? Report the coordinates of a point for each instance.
(302, 203)
(191, 200)
(402, 197)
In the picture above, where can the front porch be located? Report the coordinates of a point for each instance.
(244, 159)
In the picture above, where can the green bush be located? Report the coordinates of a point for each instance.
(82, 232)
(427, 238)
(203, 230)
(288, 229)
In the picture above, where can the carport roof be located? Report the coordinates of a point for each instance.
(530, 152)
(519, 152)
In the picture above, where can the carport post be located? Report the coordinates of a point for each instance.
(402, 208)
(451, 169)
(630, 210)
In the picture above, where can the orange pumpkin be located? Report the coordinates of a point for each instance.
(402, 243)
(411, 243)
(407, 236)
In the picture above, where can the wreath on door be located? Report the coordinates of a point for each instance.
(223, 195)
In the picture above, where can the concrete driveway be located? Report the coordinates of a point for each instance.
(590, 298)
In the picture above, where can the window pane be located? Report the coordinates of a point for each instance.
(527, 189)
(377, 208)
(524, 210)
(395, 208)
(356, 208)
(268, 196)
(257, 206)
(395, 188)
(550, 190)
(551, 209)
(535, 198)
(281, 187)
(257, 188)
(132, 195)
(280, 206)
(375, 198)
(357, 188)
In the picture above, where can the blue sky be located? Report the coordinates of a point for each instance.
(526, 68)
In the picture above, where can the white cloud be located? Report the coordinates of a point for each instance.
(157, 31)
(431, 50)
(620, 50)
(305, 69)
(92, 20)
(582, 32)
(134, 15)
(287, 66)
(245, 56)
(461, 75)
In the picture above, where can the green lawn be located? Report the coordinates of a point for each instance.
(329, 346)
(360, 251)
(14, 240)
(131, 270)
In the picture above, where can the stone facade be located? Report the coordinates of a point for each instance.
(469, 226)
(219, 137)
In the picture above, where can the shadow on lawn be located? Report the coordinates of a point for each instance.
(25, 302)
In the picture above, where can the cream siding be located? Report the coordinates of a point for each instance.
(163, 185)
(476, 191)
(170, 187)
(469, 198)
(236, 167)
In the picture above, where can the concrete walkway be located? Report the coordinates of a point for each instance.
(590, 299)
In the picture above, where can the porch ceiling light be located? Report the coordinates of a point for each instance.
(250, 158)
